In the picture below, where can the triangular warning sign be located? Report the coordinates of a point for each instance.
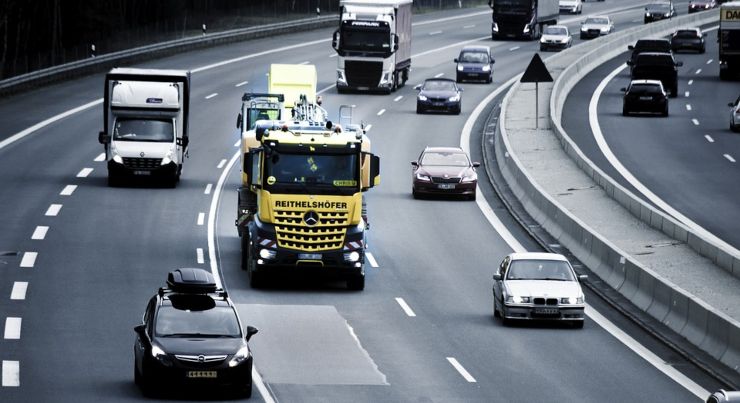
(536, 72)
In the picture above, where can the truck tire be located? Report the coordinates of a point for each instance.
(113, 180)
(245, 251)
(724, 75)
(255, 278)
(356, 282)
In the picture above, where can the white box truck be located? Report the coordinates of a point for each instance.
(374, 45)
(145, 123)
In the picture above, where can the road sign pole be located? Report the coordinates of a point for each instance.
(536, 105)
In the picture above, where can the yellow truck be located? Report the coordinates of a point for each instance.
(301, 204)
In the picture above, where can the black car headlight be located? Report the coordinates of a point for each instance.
(240, 356)
(161, 356)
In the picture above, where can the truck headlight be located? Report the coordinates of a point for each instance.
(526, 29)
(352, 257)
(340, 76)
(117, 159)
(267, 254)
(167, 158)
(494, 27)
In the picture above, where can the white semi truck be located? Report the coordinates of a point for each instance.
(145, 123)
(374, 45)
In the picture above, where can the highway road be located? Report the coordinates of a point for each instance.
(688, 160)
(79, 259)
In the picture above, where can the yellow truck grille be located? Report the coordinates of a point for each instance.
(294, 233)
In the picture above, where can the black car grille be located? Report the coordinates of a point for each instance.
(207, 360)
(545, 301)
(510, 28)
(439, 179)
(437, 99)
(363, 74)
(143, 164)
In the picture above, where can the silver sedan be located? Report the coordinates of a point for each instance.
(534, 286)
(596, 26)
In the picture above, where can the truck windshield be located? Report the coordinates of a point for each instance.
(261, 114)
(152, 130)
(316, 173)
(363, 39)
(518, 7)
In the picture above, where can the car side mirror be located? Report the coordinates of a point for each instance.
(731, 104)
(582, 277)
(140, 330)
(415, 164)
(103, 138)
(455, 60)
(679, 64)
(629, 62)
(476, 164)
(492, 61)
(251, 331)
(418, 87)
(461, 89)
(630, 47)
(239, 121)
(497, 277)
(623, 89)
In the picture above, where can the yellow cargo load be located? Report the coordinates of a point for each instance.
(293, 80)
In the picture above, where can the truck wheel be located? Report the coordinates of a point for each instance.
(255, 279)
(113, 180)
(245, 251)
(724, 75)
(356, 282)
(577, 324)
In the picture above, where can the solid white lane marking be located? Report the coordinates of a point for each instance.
(215, 94)
(241, 84)
(12, 328)
(100, 157)
(698, 71)
(435, 33)
(710, 61)
(469, 26)
(514, 48)
(84, 172)
(465, 374)
(201, 218)
(368, 127)
(406, 308)
(646, 354)
(695, 122)
(398, 98)
(238, 143)
(11, 373)
(709, 138)
(208, 189)
(212, 257)
(729, 157)
(686, 94)
(371, 259)
(40, 232)
(382, 111)
(199, 255)
(53, 210)
(691, 82)
(68, 190)
(29, 259)
(221, 164)
(688, 107)
(439, 75)
(306, 62)
(19, 290)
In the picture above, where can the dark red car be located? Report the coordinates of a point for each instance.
(444, 171)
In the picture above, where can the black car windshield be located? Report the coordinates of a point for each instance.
(686, 34)
(555, 31)
(597, 21)
(539, 270)
(153, 130)
(474, 57)
(659, 8)
(640, 89)
(454, 159)
(439, 85)
(324, 173)
(217, 321)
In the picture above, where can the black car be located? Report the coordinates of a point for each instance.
(645, 96)
(688, 39)
(475, 63)
(648, 45)
(659, 11)
(444, 171)
(657, 66)
(191, 334)
(438, 94)
(701, 5)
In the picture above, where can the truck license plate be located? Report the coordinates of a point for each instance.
(202, 374)
(446, 186)
(143, 173)
(309, 256)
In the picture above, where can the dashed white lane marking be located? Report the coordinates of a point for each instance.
(199, 255)
(241, 84)
(371, 259)
(691, 82)
(12, 328)
(208, 189)
(439, 75)
(688, 107)
(306, 62)
(695, 122)
(710, 61)
(40, 232)
(398, 98)
(84, 172)
(19, 290)
(465, 374)
(221, 164)
(380, 112)
(215, 94)
(100, 157)
(368, 127)
(686, 94)
(435, 33)
(514, 48)
(469, 26)
(406, 308)
(698, 71)
(68, 190)
(11, 373)
(29, 259)
(238, 143)
(201, 218)
(709, 138)
(53, 210)
(729, 157)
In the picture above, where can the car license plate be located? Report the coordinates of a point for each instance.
(309, 256)
(546, 311)
(202, 374)
(438, 104)
(143, 173)
(646, 98)
(446, 186)
(473, 74)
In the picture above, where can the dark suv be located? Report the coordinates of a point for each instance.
(657, 66)
(645, 96)
(648, 45)
(475, 63)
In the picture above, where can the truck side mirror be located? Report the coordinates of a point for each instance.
(490, 3)
(395, 42)
(251, 166)
(374, 170)
(183, 141)
(630, 47)
(103, 138)
(239, 121)
(629, 62)
(335, 40)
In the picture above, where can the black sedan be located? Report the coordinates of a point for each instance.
(191, 335)
(701, 5)
(645, 96)
(444, 171)
(688, 39)
(475, 63)
(659, 11)
(438, 94)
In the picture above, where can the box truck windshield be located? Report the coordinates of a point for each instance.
(151, 130)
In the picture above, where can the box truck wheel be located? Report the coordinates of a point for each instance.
(113, 180)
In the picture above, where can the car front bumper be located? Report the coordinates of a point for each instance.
(462, 188)
(179, 373)
(553, 45)
(537, 312)
(433, 105)
(161, 171)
